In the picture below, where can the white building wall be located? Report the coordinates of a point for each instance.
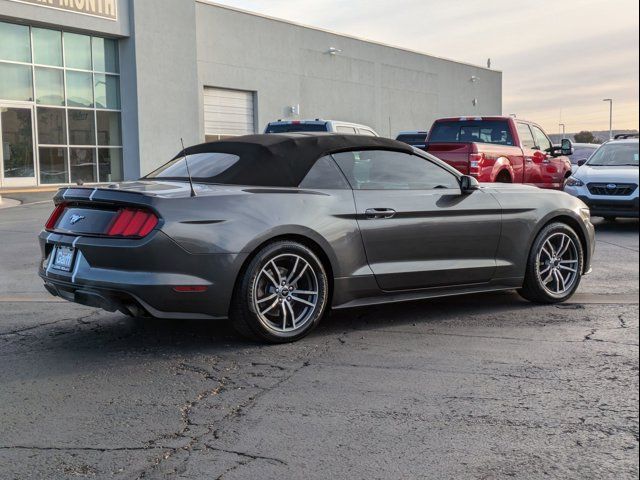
(388, 88)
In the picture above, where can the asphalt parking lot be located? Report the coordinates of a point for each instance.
(484, 387)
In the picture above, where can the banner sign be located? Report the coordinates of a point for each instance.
(97, 8)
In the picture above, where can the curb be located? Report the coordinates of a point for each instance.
(8, 203)
(28, 190)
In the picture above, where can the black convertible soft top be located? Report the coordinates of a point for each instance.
(281, 160)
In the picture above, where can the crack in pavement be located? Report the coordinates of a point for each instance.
(76, 449)
(616, 245)
(589, 336)
(623, 322)
(248, 455)
(250, 458)
(213, 430)
(261, 364)
(80, 320)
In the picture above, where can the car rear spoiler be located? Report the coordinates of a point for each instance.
(88, 195)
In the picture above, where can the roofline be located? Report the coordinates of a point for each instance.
(484, 117)
(319, 121)
(344, 35)
(622, 140)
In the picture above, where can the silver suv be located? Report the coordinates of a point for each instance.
(319, 125)
(608, 181)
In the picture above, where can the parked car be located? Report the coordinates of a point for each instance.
(608, 181)
(273, 230)
(318, 125)
(500, 149)
(581, 153)
(415, 138)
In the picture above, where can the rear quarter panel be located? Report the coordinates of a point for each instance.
(231, 220)
(526, 211)
(498, 158)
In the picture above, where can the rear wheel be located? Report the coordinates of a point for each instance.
(282, 294)
(555, 265)
(503, 177)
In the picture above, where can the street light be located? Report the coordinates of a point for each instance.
(610, 100)
(564, 129)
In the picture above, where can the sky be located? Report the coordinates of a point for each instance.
(559, 58)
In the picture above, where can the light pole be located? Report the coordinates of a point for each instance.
(610, 100)
(564, 130)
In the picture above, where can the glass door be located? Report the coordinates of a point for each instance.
(17, 152)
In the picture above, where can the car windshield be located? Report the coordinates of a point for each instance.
(581, 153)
(615, 155)
(296, 127)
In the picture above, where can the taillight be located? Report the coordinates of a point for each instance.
(131, 222)
(475, 163)
(55, 216)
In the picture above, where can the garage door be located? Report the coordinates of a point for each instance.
(227, 113)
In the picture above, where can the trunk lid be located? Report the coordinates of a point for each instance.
(93, 211)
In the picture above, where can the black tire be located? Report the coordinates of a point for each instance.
(255, 287)
(503, 177)
(535, 289)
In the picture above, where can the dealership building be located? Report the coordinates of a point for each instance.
(104, 90)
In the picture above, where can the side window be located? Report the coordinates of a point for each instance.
(325, 175)
(387, 170)
(526, 138)
(542, 141)
(367, 132)
(343, 129)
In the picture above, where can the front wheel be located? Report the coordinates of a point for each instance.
(555, 265)
(282, 294)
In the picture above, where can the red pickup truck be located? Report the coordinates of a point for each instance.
(500, 149)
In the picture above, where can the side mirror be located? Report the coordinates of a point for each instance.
(566, 147)
(468, 184)
(582, 161)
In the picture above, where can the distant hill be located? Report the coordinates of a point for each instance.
(601, 134)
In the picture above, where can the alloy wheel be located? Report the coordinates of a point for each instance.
(286, 293)
(557, 264)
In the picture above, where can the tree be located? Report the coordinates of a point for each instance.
(585, 137)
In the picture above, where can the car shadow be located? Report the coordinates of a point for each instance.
(109, 333)
(621, 225)
(81, 345)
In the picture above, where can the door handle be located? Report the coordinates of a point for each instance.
(529, 160)
(378, 213)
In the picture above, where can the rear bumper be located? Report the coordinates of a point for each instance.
(138, 277)
(612, 207)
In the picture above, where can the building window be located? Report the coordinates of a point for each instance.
(47, 47)
(73, 83)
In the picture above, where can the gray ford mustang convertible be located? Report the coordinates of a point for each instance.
(271, 231)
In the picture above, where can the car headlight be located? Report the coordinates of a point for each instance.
(574, 182)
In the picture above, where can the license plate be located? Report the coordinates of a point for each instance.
(63, 258)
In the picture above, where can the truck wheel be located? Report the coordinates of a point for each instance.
(503, 177)
(555, 265)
